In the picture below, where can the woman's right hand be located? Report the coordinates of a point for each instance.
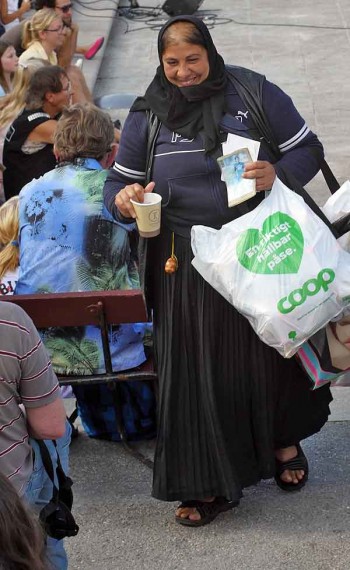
(134, 192)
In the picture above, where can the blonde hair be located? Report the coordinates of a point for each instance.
(40, 22)
(12, 105)
(9, 229)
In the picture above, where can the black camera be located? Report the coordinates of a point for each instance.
(56, 516)
(58, 521)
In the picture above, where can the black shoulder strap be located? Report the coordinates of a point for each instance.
(290, 181)
(45, 456)
(154, 125)
(65, 483)
(329, 177)
(249, 86)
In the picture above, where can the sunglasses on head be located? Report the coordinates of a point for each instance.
(65, 8)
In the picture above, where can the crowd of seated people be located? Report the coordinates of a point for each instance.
(55, 234)
(64, 240)
(21, 35)
(70, 47)
(32, 43)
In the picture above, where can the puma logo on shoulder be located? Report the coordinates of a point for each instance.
(241, 114)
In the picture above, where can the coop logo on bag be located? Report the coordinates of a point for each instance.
(310, 288)
(275, 249)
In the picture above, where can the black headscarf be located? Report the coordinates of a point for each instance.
(189, 110)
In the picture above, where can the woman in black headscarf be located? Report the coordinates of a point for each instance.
(232, 411)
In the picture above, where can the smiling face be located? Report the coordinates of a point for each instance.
(9, 60)
(185, 64)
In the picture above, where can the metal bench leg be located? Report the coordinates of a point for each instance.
(117, 392)
(74, 415)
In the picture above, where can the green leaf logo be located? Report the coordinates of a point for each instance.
(276, 249)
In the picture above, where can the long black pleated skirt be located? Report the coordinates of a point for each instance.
(226, 400)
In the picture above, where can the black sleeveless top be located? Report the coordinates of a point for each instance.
(21, 168)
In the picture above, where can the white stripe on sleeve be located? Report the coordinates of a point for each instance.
(287, 145)
(128, 172)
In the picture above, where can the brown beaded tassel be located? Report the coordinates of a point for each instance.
(172, 263)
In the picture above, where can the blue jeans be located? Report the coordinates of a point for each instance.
(39, 492)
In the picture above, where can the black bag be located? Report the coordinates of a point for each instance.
(56, 516)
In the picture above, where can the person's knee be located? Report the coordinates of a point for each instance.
(80, 90)
(75, 73)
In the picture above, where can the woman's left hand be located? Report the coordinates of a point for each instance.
(263, 172)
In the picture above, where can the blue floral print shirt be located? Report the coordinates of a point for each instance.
(69, 242)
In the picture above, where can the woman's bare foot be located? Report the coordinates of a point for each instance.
(289, 476)
(191, 512)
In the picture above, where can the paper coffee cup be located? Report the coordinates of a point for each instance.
(148, 214)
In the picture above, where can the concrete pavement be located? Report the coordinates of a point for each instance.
(304, 47)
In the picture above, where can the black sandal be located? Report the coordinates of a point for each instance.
(296, 463)
(207, 511)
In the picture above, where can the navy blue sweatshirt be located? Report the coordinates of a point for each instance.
(190, 181)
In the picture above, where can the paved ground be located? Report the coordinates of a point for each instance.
(122, 527)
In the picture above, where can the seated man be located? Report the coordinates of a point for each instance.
(69, 242)
(28, 146)
(30, 407)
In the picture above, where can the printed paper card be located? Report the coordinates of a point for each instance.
(232, 167)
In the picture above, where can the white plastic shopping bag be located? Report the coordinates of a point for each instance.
(280, 266)
(337, 206)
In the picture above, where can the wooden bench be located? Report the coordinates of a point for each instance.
(99, 308)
